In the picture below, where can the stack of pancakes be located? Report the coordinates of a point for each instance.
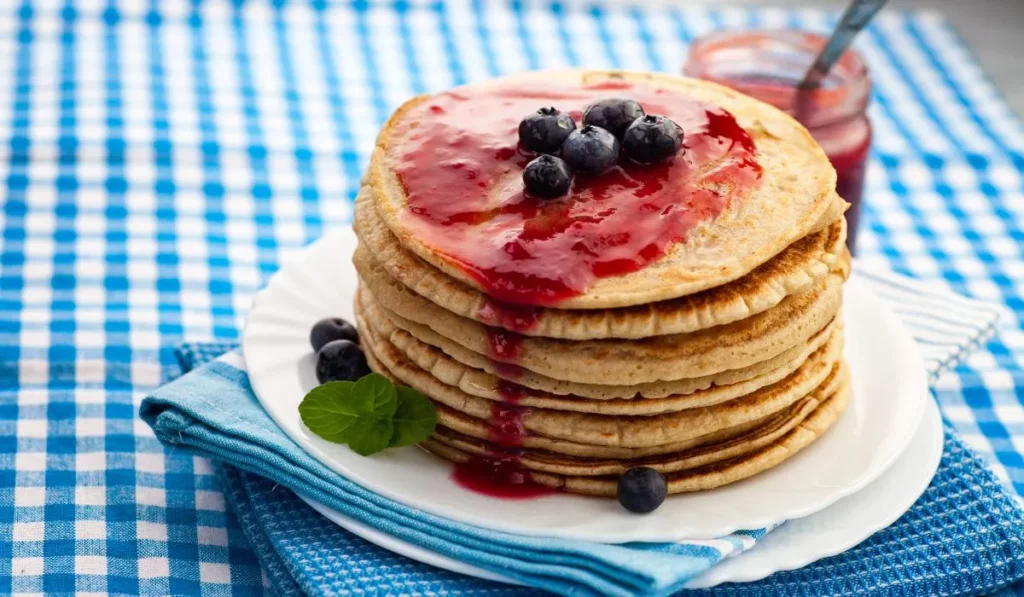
(718, 361)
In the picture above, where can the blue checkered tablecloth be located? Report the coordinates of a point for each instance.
(158, 158)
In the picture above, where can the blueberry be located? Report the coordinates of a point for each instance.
(613, 114)
(545, 130)
(547, 177)
(652, 139)
(340, 360)
(591, 150)
(642, 489)
(332, 328)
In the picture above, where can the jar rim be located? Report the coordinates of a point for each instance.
(717, 55)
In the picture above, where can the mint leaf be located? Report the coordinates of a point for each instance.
(370, 437)
(414, 420)
(358, 414)
(380, 391)
(328, 411)
(369, 415)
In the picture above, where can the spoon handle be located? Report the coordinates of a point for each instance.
(856, 17)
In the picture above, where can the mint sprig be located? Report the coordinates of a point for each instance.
(414, 419)
(368, 415)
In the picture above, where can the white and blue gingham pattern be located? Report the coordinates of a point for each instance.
(157, 158)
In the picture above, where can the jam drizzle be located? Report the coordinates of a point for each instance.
(503, 345)
(500, 473)
(510, 392)
(518, 318)
(505, 427)
(462, 175)
(500, 477)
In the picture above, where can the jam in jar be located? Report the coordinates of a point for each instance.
(769, 65)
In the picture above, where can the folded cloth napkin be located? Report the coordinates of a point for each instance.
(965, 532)
(963, 537)
(213, 412)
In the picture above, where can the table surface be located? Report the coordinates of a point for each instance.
(157, 160)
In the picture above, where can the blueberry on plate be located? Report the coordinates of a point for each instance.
(332, 328)
(651, 139)
(591, 150)
(547, 177)
(613, 114)
(341, 360)
(642, 489)
(545, 130)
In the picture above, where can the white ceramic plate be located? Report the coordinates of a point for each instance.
(793, 545)
(849, 521)
(889, 389)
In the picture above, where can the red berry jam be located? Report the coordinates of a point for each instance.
(458, 161)
(504, 346)
(519, 318)
(500, 473)
(510, 392)
(505, 427)
(769, 65)
(500, 477)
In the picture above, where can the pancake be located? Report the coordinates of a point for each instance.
(422, 359)
(731, 346)
(467, 426)
(793, 196)
(744, 441)
(464, 424)
(483, 378)
(628, 431)
(702, 478)
(642, 432)
(396, 275)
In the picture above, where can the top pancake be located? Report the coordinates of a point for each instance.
(794, 197)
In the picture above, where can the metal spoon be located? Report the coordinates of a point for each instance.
(858, 14)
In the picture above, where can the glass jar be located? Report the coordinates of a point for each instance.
(768, 65)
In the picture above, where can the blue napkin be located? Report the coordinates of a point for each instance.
(981, 527)
(213, 412)
(963, 537)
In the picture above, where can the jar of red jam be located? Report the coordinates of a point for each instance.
(769, 65)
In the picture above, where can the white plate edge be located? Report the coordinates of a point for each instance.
(710, 579)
